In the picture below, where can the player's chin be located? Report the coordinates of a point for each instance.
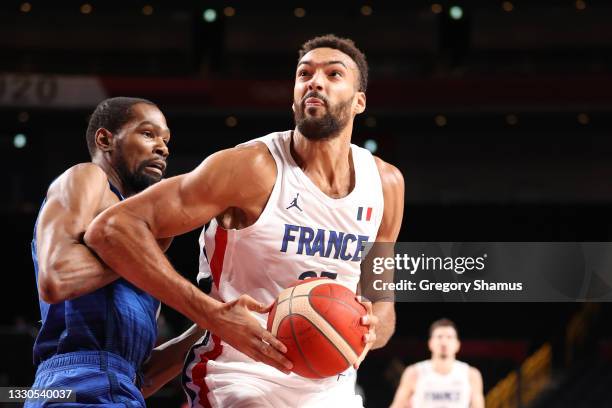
(316, 111)
(151, 175)
(144, 180)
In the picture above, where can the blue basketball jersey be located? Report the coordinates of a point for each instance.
(118, 318)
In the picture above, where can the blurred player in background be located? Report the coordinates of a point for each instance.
(442, 381)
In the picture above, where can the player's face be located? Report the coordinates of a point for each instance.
(325, 95)
(141, 149)
(443, 342)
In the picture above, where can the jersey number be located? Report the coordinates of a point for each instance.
(313, 274)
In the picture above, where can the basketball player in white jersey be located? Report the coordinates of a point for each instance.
(442, 381)
(287, 206)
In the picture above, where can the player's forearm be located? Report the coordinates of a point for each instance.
(385, 311)
(167, 360)
(128, 247)
(72, 270)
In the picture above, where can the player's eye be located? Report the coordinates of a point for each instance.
(147, 133)
(336, 74)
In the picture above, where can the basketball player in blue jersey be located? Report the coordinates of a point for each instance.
(286, 206)
(98, 329)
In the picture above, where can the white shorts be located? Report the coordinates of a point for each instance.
(217, 375)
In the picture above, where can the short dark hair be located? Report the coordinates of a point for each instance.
(110, 114)
(344, 45)
(444, 322)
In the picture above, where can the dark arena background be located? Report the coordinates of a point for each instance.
(498, 114)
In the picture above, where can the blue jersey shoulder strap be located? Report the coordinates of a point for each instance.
(116, 191)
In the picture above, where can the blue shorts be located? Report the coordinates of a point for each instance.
(98, 378)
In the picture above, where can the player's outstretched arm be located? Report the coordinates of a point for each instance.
(124, 236)
(67, 267)
(167, 360)
(405, 389)
(477, 400)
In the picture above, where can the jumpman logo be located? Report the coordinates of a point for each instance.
(294, 203)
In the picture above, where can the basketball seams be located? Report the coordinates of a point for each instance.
(276, 323)
(335, 332)
(329, 332)
(299, 301)
(281, 309)
(326, 338)
(337, 301)
(329, 297)
(295, 338)
(305, 287)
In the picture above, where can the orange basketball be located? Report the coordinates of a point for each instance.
(320, 323)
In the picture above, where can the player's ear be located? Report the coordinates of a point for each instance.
(293, 107)
(458, 346)
(104, 140)
(360, 106)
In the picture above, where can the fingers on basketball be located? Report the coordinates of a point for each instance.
(273, 341)
(270, 356)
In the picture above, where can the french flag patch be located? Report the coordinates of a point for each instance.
(364, 213)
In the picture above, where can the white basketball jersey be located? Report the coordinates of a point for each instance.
(435, 390)
(301, 233)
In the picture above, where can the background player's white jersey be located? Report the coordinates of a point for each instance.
(301, 233)
(435, 390)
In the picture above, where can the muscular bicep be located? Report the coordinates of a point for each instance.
(67, 267)
(172, 207)
(71, 204)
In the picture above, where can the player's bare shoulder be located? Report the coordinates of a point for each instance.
(474, 375)
(409, 377)
(77, 174)
(393, 192)
(390, 176)
(411, 370)
(258, 159)
(253, 167)
(85, 180)
(241, 177)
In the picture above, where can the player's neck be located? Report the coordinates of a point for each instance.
(328, 163)
(113, 176)
(442, 365)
